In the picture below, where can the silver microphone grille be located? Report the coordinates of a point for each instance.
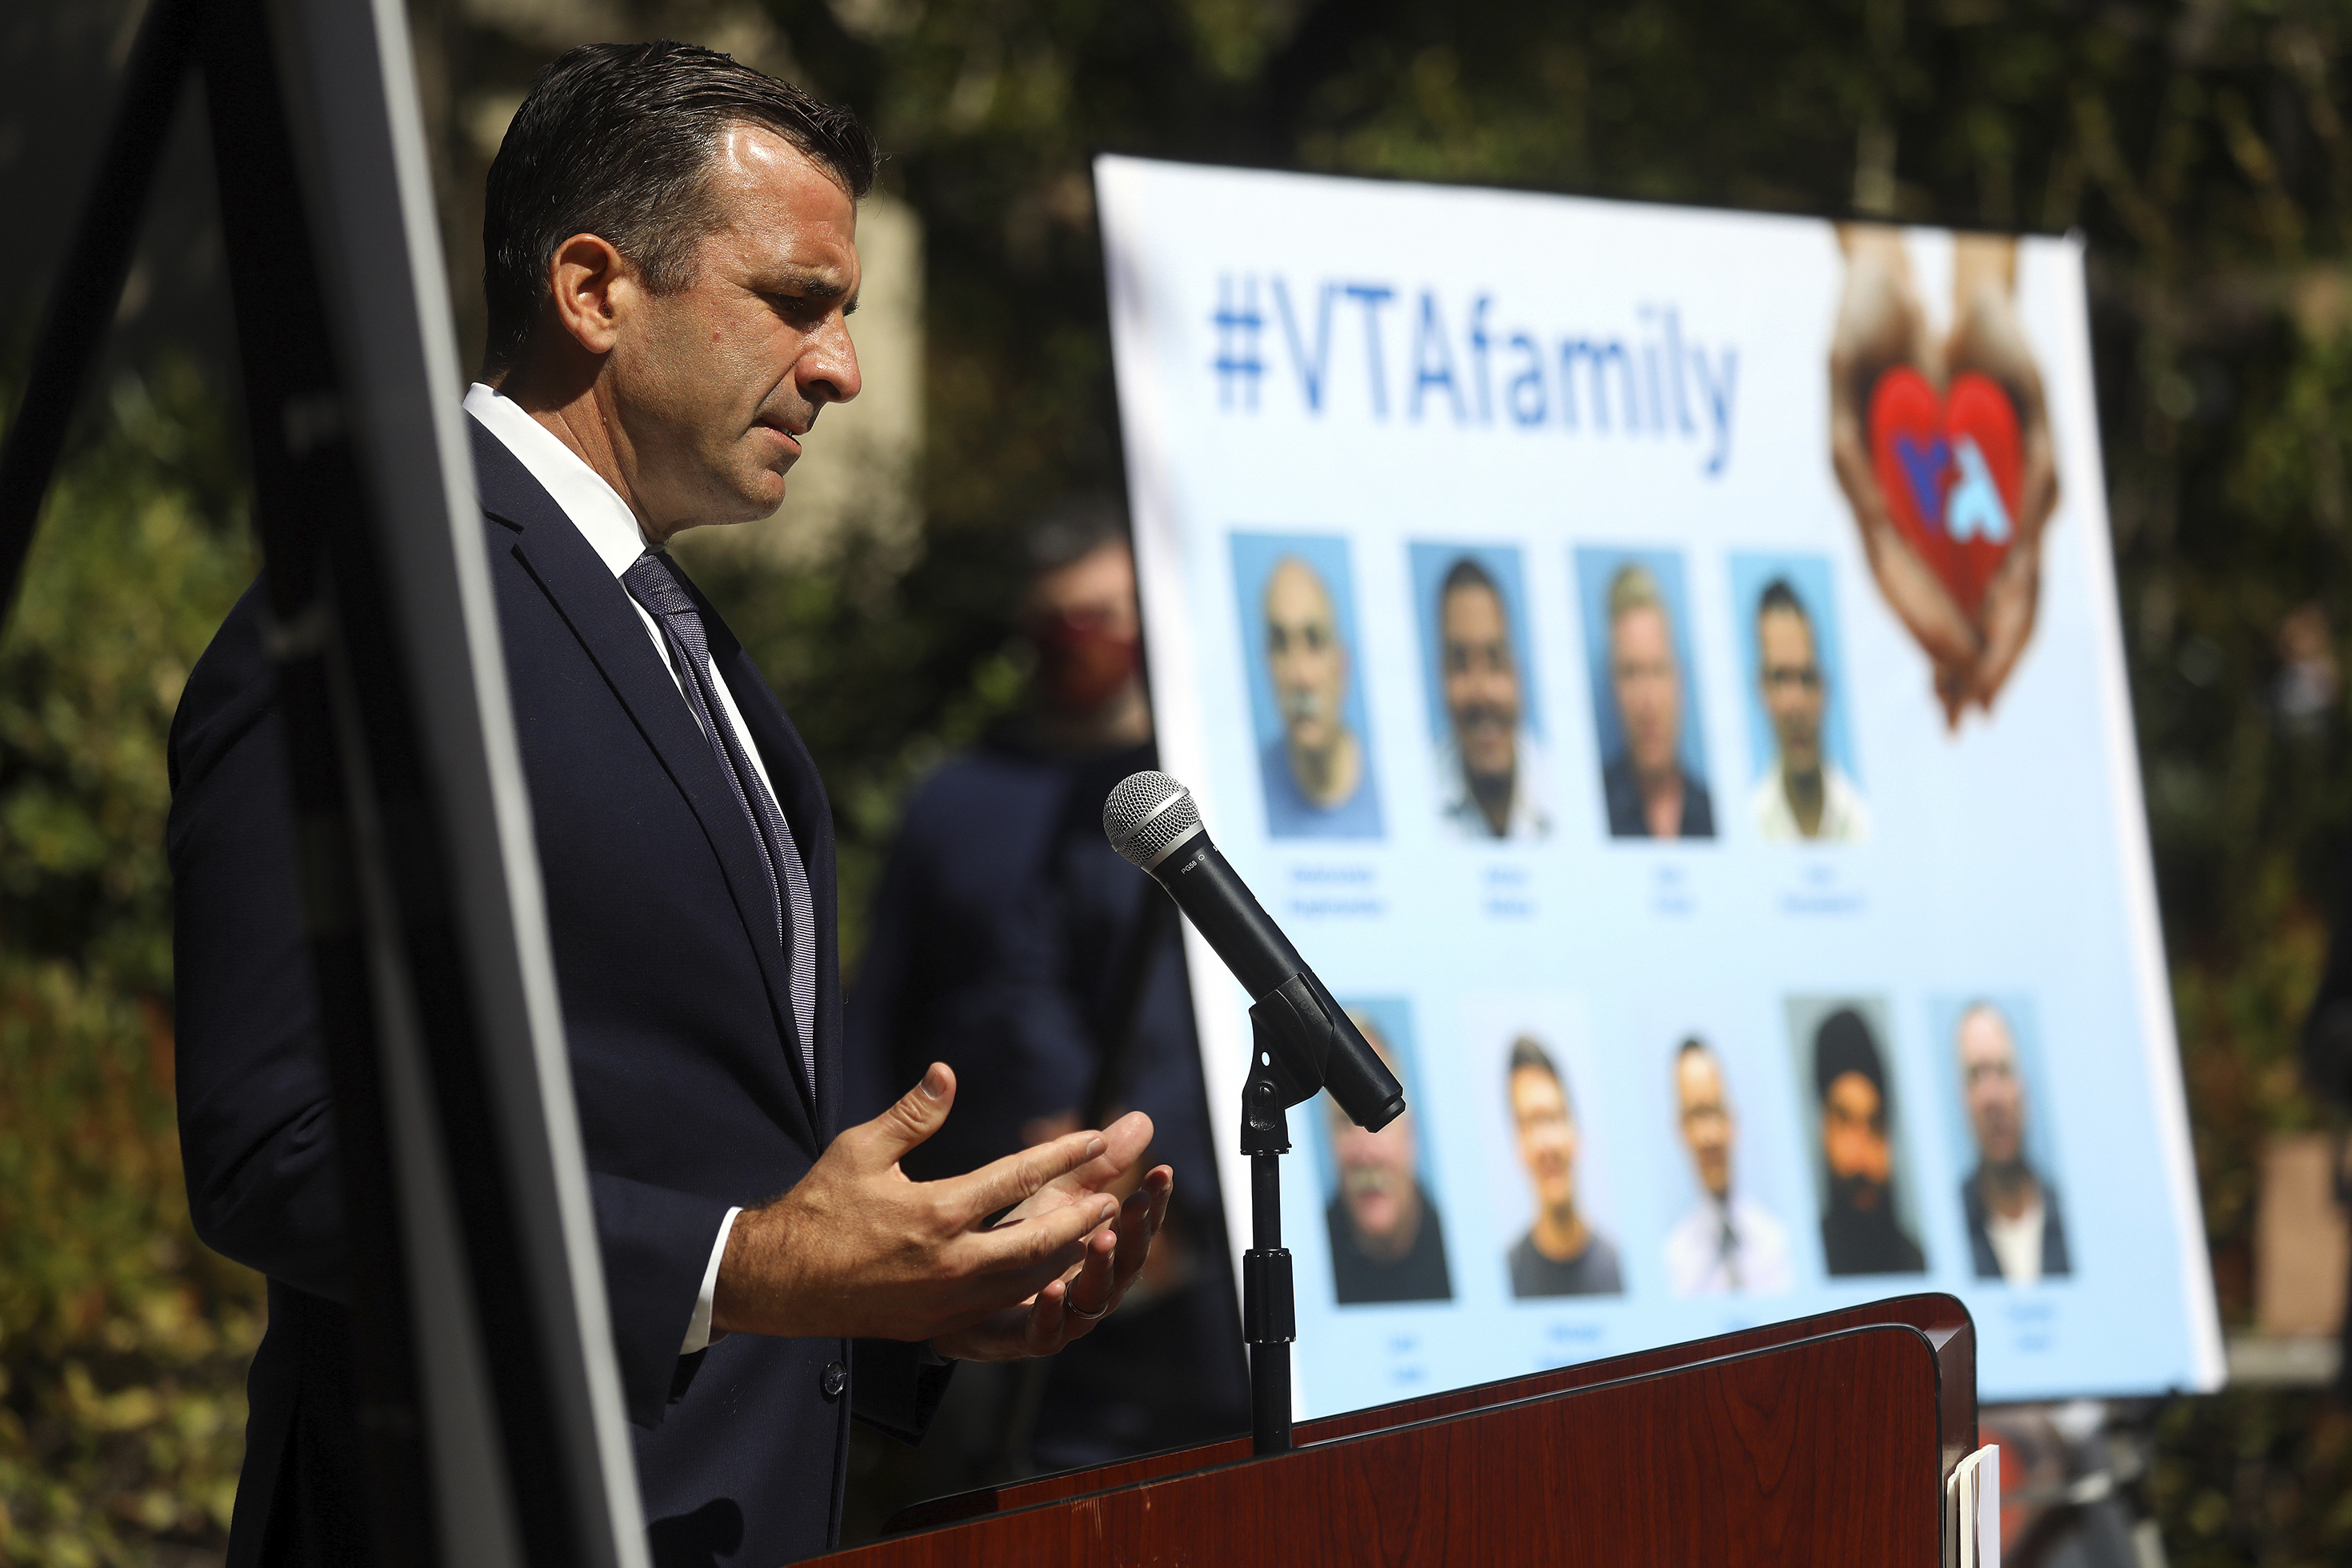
(1148, 815)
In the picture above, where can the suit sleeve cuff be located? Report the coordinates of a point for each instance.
(698, 1328)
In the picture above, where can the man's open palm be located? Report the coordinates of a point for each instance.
(856, 1248)
(1068, 1307)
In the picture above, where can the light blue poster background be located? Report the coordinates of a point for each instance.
(1808, 576)
(1902, 1104)
(1431, 563)
(2042, 1151)
(1596, 569)
(1583, 375)
(1255, 555)
(1764, 1154)
(1391, 1017)
(1487, 1025)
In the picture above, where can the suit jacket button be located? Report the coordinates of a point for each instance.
(835, 1379)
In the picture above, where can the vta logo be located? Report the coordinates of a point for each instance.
(1949, 468)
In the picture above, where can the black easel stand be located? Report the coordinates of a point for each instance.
(418, 963)
(1291, 1037)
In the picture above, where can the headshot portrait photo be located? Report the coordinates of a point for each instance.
(1847, 1081)
(1729, 1242)
(1645, 719)
(1299, 635)
(1805, 784)
(1388, 1238)
(1486, 728)
(2008, 1195)
(1563, 1251)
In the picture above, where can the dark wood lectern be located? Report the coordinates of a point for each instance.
(1821, 1441)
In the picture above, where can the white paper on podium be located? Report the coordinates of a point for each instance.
(1974, 1491)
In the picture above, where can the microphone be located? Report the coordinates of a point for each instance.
(1152, 820)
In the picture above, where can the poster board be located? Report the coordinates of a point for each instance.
(1740, 856)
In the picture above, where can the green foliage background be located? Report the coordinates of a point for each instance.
(2200, 145)
(122, 1342)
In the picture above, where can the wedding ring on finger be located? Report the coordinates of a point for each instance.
(1093, 1317)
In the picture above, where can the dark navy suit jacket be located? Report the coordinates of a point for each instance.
(678, 1016)
(2056, 1260)
(1620, 790)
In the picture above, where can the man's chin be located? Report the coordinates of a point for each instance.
(757, 502)
(755, 478)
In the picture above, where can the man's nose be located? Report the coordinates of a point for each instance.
(828, 366)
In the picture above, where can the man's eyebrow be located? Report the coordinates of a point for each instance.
(809, 283)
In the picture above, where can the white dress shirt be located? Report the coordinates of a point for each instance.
(610, 528)
(1844, 818)
(2017, 1243)
(1755, 1262)
(1530, 813)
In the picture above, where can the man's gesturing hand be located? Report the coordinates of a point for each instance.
(856, 1248)
(1070, 1307)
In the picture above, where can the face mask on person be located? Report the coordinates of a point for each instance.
(1082, 661)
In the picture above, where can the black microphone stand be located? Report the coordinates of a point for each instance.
(1291, 1036)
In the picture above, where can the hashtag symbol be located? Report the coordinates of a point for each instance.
(1237, 364)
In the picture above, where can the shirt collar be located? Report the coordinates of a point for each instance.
(1529, 789)
(595, 509)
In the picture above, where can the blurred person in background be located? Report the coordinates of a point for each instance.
(1387, 1241)
(2015, 1230)
(1729, 1243)
(1009, 941)
(1649, 793)
(2310, 682)
(2327, 1072)
(1490, 769)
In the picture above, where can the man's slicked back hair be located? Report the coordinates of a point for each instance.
(617, 141)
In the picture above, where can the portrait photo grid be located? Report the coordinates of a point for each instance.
(1695, 750)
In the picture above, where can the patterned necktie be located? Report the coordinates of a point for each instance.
(651, 583)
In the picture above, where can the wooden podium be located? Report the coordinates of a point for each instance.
(1820, 1441)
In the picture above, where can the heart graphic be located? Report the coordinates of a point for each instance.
(1950, 469)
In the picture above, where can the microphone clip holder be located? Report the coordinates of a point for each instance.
(1292, 1034)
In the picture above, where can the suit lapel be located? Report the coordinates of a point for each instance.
(600, 613)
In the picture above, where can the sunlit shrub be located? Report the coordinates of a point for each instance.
(123, 1342)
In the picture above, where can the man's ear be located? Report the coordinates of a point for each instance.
(592, 287)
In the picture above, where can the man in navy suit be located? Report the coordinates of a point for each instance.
(671, 258)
